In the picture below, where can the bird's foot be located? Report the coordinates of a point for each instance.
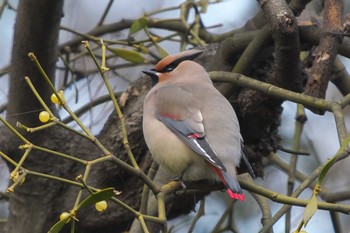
(180, 180)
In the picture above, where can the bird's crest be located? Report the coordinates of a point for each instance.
(169, 63)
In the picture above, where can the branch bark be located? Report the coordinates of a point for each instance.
(285, 33)
(260, 133)
(327, 50)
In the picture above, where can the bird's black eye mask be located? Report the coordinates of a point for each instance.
(169, 68)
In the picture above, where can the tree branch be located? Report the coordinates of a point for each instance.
(325, 53)
(284, 28)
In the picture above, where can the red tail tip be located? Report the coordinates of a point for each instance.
(237, 196)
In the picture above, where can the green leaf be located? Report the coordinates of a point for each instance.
(326, 168)
(143, 49)
(161, 51)
(104, 194)
(90, 200)
(344, 146)
(59, 225)
(138, 25)
(310, 209)
(128, 55)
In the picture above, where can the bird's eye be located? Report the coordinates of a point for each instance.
(168, 69)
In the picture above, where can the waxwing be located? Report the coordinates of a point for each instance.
(189, 126)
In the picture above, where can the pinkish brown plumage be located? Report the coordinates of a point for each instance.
(189, 127)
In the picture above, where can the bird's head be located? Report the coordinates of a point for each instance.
(167, 65)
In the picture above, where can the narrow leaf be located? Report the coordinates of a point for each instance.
(160, 50)
(143, 49)
(104, 194)
(59, 225)
(154, 40)
(310, 209)
(138, 25)
(331, 162)
(326, 168)
(128, 55)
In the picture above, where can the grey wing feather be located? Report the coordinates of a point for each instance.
(249, 166)
(200, 145)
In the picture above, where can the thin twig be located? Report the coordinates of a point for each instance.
(298, 130)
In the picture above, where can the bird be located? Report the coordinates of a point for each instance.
(190, 128)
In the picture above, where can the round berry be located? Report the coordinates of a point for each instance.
(101, 206)
(64, 215)
(44, 116)
(54, 98)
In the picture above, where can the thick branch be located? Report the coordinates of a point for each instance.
(36, 30)
(327, 50)
(284, 28)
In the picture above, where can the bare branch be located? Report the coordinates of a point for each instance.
(325, 53)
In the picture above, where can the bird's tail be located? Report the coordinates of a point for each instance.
(233, 188)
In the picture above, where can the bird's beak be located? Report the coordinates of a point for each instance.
(153, 74)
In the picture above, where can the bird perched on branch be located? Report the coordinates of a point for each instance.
(189, 126)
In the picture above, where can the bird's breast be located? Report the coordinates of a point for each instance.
(170, 152)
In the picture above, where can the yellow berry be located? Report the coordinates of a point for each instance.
(54, 98)
(44, 116)
(64, 215)
(101, 206)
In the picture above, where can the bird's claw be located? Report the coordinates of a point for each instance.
(179, 179)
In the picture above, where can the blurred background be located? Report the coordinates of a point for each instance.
(319, 137)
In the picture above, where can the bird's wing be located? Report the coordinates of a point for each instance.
(180, 111)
